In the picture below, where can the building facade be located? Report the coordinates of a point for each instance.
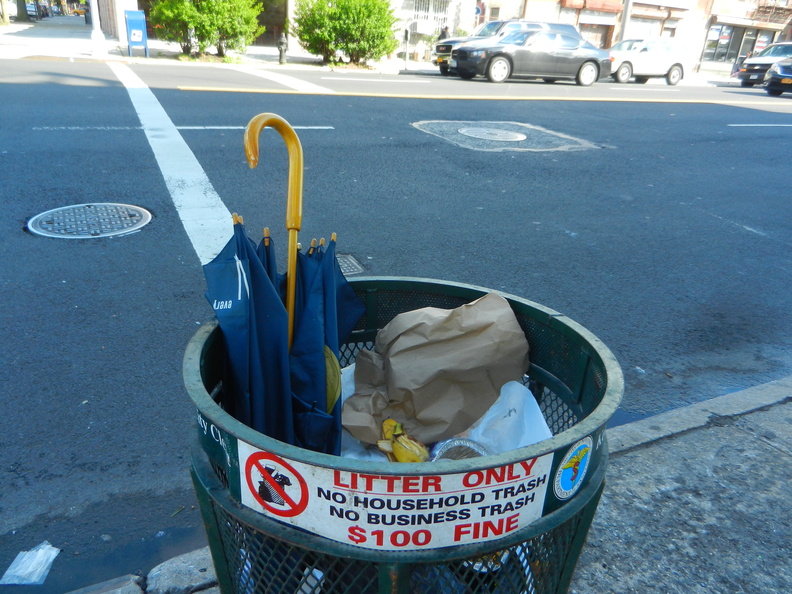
(713, 33)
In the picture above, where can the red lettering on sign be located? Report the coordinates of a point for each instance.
(486, 529)
(374, 483)
(499, 475)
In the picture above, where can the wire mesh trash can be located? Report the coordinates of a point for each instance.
(282, 519)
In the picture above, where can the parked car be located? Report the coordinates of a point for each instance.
(778, 78)
(34, 12)
(488, 32)
(753, 69)
(80, 10)
(645, 59)
(547, 54)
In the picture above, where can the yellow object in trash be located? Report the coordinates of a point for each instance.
(400, 447)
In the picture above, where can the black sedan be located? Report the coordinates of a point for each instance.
(549, 55)
(778, 78)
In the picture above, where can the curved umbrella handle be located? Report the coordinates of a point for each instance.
(294, 193)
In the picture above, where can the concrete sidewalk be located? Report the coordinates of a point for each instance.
(69, 38)
(696, 501)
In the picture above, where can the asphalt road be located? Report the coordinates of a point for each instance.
(660, 221)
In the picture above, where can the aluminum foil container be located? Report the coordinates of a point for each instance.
(458, 449)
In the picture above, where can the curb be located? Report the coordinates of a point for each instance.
(695, 416)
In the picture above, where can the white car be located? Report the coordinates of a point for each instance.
(645, 59)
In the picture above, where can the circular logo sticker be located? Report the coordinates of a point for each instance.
(572, 469)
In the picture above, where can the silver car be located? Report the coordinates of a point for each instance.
(752, 70)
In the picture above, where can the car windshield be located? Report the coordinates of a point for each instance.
(626, 45)
(777, 50)
(518, 38)
(489, 30)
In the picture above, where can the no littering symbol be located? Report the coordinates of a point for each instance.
(275, 484)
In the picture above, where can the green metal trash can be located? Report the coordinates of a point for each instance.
(280, 519)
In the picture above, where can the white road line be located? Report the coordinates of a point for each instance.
(203, 214)
(759, 125)
(287, 81)
(639, 89)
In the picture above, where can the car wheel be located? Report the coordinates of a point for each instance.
(674, 75)
(641, 80)
(549, 80)
(745, 83)
(444, 70)
(498, 70)
(623, 74)
(774, 92)
(587, 75)
(466, 74)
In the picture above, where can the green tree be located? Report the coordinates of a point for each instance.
(176, 20)
(361, 29)
(229, 24)
(225, 24)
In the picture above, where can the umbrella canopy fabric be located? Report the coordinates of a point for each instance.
(253, 321)
(290, 395)
(326, 312)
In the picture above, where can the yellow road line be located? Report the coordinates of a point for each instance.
(766, 102)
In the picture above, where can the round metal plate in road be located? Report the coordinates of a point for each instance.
(87, 221)
(493, 134)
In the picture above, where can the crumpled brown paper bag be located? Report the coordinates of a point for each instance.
(436, 371)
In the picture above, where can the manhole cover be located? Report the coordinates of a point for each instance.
(502, 136)
(493, 134)
(348, 264)
(86, 221)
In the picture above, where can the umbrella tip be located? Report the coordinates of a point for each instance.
(236, 218)
(333, 237)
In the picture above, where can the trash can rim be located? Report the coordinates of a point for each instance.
(588, 426)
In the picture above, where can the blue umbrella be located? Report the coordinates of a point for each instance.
(252, 319)
(284, 335)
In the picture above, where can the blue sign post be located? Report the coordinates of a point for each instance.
(136, 30)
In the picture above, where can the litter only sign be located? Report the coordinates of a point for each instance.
(395, 512)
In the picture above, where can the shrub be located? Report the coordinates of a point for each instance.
(225, 24)
(175, 20)
(360, 29)
(229, 24)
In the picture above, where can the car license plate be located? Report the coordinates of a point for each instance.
(440, 60)
(786, 81)
(452, 63)
(754, 76)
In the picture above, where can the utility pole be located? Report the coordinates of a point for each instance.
(97, 37)
(626, 12)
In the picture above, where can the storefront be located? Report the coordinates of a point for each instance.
(731, 38)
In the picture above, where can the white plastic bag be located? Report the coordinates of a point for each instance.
(30, 568)
(514, 421)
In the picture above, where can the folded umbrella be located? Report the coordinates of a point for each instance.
(283, 334)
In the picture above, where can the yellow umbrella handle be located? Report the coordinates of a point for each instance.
(294, 193)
